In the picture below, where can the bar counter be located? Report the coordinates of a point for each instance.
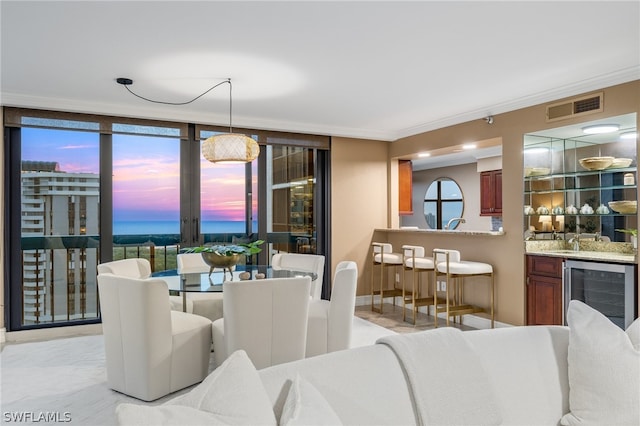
(442, 232)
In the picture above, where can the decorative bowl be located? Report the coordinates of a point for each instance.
(536, 171)
(214, 260)
(620, 163)
(596, 163)
(624, 207)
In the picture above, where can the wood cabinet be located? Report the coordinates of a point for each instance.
(544, 290)
(405, 187)
(491, 193)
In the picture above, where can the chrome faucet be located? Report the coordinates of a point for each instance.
(575, 243)
(597, 236)
(459, 219)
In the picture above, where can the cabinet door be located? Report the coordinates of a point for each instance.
(491, 193)
(544, 265)
(544, 300)
(544, 290)
(405, 188)
(497, 194)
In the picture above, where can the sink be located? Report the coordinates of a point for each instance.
(564, 251)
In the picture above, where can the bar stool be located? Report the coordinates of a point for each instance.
(384, 257)
(448, 263)
(414, 260)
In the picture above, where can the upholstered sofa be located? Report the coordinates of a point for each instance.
(587, 373)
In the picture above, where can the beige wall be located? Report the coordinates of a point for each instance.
(359, 200)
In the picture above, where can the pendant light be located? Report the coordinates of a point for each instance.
(230, 147)
(225, 147)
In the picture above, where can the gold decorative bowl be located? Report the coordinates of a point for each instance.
(596, 163)
(620, 163)
(624, 207)
(214, 260)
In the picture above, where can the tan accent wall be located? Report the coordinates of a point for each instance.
(359, 200)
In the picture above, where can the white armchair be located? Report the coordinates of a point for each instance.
(302, 262)
(132, 268)
(331, 322)
(150, 350)
(266, 318)
(208, 305)
(139, 268)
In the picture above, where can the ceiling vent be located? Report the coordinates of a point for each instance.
(576, 107)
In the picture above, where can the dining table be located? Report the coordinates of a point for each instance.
(205, 281)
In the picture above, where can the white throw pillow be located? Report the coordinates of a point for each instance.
(232, 394)
(306, 406)
(604, 369)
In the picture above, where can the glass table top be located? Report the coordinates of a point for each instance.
(199, 282)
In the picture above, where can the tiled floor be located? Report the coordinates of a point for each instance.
(391, 318)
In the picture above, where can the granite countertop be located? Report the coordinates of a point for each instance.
(589, 250)
(442, 231)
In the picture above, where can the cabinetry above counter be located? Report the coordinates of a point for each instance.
(442, 231)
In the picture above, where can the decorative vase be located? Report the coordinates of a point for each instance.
(214, 260)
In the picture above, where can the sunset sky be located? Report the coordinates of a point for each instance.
(146, 179)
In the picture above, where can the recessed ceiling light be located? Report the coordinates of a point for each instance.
(469, 146)
(600, 128)
(629, 135)
(424, 154)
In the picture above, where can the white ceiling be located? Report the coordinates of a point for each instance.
(380, 70)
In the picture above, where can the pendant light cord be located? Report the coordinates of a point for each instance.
(127, 82)
(230, 105)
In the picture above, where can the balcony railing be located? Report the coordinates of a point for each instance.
(59, 283)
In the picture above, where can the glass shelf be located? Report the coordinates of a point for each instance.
(566, 183)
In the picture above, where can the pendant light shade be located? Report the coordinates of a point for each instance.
(230, 148)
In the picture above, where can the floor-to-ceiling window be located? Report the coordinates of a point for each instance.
(55, 222)
(145, 196)
(84, 189)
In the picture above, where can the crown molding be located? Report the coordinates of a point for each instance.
(611, 79)
(190, 116)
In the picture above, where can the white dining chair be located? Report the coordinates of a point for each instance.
(266, 318)
(150, 350)
(303, 262)
(137, 267)
(133, 268)
(331, 321)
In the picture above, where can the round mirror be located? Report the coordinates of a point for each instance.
(443, 203)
